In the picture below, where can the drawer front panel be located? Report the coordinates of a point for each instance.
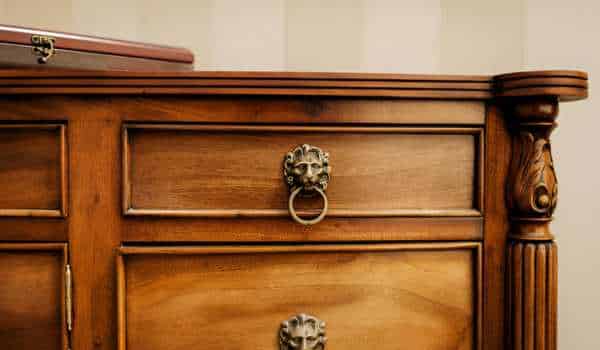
(231, 171)
(390, 296)
(32, 170)
(31, 296)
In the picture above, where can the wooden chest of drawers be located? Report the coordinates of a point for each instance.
(278, 210)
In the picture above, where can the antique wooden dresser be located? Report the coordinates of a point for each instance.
(266, 211)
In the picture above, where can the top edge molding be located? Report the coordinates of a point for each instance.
(566, 85)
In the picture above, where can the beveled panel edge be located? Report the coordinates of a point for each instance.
(225, 249)
(35, 246)
(63, 248)
(273, 213)
(62, 211)
(123, 251)
(478, 193)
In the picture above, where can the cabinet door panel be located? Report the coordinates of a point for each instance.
(32, 296)
(33, 170)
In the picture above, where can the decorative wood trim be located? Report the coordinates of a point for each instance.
(532, 295)
(121, 304)
(273, 213)
(64, 171)
(35, 247)
(262, 249)
(62, 211)
(478, 191)
(564, 84)
(63, 248)
(248, 83)
(531, 200)
(532, 185)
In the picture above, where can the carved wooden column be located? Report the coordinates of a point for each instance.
(532, 255)
(531, 106)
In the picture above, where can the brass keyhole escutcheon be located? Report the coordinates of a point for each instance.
(306, 172)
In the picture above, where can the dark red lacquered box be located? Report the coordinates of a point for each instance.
(32, 47)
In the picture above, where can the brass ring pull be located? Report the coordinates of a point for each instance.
(306, 171)
(313, 221)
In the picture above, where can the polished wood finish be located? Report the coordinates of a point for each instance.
(248, 83)
(178, 170)
(496, 226)
(563, 85)
(237, 296)
(142, 229)
(32, 293)
(90, 52)
(532, 254)
(408, 122)
(33, 170)
(532, 295)
(309, 110)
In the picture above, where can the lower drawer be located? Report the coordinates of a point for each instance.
(379, 296)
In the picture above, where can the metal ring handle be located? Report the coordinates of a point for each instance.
(310, 221)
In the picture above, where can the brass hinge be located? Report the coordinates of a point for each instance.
(43, 46)
(69, 297)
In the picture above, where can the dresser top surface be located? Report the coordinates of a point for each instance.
(566, 85)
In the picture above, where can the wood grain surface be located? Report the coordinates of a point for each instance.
(566, 85)
(496, 227)
(376, 296)
(236, 171)
(31, 296)
(33, 174)
(443, 288)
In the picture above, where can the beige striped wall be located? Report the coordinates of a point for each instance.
(427, 36)
(331, 35)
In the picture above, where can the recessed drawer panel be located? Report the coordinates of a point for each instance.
(32, 296)
(33, 170)
(381, 296)
(231, 171)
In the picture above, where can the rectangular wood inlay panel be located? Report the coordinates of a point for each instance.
(230, 171)
(386, 296)
(32, 297)
(33, 175)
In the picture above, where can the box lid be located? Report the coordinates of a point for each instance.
(21, 46)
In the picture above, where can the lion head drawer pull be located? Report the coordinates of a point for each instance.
(302, 332)
(306, 171)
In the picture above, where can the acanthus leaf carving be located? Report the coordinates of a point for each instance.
(533, 191)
